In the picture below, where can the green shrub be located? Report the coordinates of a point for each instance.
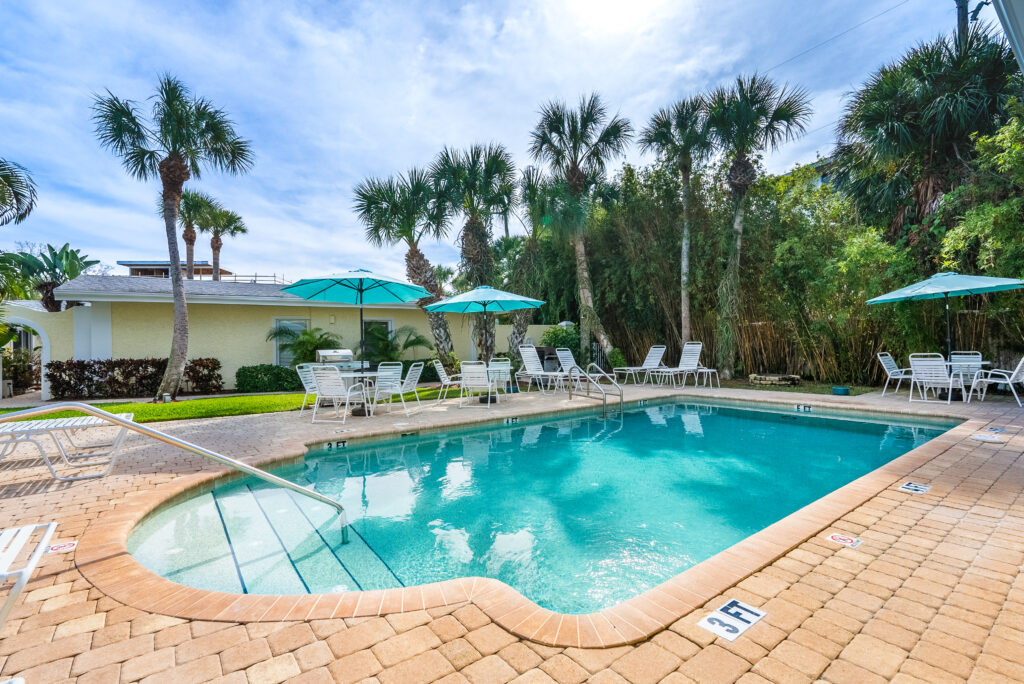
(429, 372)
(562, 336)
(203, 376)
(266, 377)
(21, 366)
(617, 359)
(103, 378)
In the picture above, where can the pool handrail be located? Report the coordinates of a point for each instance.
(589, 374)
(187, 446)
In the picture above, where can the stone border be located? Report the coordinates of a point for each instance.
(103, 559)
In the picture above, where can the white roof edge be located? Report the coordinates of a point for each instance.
(151, 298)
(1011, 16)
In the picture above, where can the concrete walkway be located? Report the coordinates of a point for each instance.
(934, 593)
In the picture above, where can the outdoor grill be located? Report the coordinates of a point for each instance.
(334, 355)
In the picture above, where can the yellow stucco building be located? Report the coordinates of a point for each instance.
(131, 317)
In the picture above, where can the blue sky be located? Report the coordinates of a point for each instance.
(332, 92)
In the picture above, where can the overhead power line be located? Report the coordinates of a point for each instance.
(838, 35)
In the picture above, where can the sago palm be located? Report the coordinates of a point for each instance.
(196, 209)
(907, 136)
(405, 210)
(679, 135)
(753, 115)
(478, 184)
(183, 136)
(17, 193)
(578, 144)
(220, 224)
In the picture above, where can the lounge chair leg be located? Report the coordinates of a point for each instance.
(1014, 393)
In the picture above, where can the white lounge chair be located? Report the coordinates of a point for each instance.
(997, 376)
(447, 381)
(689, 364)
(331, 388)
(893, 371)
(390, 388)
(475, 378)
(930, 372)
(533, 369)
(569, 366)
(651, 362)
(12, 541)
(72, 454)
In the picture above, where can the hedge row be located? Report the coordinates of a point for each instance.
(108, 378)
(267, 377)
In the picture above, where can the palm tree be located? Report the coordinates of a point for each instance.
(578, 144)
(753, 115)
(479, 184)
(679, 135)
(221, 223)
(48, 270)
(303, 344)
(907, 136)
(17, 193)
(184, 135)
(534, 198)
(404, 210)
(196, 209)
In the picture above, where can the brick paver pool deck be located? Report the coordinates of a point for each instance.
(933, 594)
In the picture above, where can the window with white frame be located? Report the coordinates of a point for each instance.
(282, 356)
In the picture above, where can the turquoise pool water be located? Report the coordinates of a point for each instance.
(576, 513)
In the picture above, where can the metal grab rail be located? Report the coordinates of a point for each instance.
(187, 446)
(576, 371)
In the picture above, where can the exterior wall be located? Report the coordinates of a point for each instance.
(235, 334)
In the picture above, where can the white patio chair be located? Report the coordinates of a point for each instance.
(965, 363)
(305, 372)
(389, 388)
(12, 541)
(331, 388)
(892, 371)
(997, 376)
(930, 372)
(689, 364)
(651, 362)
(500, 369)
(533, 369)
(447, 381)
(475, 378)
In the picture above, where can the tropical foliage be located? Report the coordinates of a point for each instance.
(183, 135)
(221, 223)
(17, 193)
(383, 344)
(302, 345)
(43, 272)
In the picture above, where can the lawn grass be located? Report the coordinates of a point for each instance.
(209, 407)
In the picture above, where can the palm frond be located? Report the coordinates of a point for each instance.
(120, 129)
(17, 193)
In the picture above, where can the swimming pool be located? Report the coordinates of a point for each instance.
(577, 513)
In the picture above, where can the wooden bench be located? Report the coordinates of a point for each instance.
(72, 453)
(12, 541)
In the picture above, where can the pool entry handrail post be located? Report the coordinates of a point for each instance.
(593, 373)
(187, 446)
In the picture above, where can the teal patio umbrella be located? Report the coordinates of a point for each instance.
(946, 285)
(360, 288)
(485, 300)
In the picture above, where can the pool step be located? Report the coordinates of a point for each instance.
(285, 545)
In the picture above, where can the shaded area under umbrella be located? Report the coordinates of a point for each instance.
(945, 285)
(485, 300)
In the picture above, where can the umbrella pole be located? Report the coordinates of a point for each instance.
(949, 340)
(362, 332)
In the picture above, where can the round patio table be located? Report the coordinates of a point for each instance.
(368, 377)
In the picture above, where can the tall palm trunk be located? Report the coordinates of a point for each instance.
(478, 264)
(589, 321)
(173, 174)
(215, 245)
(684, 264)
(420, 272)
(729, 294)
(188, 236)
(520, 326)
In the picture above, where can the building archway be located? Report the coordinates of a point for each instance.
(44, 352)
